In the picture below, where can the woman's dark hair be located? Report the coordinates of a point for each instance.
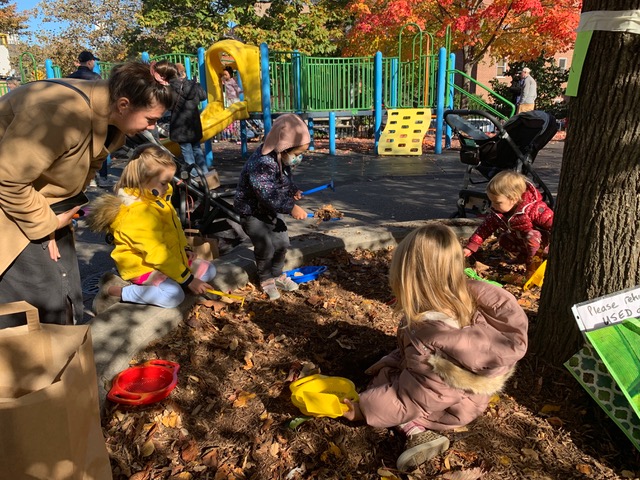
(136, 82)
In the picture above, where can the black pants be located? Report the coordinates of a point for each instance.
(270, 243)
(54, 288)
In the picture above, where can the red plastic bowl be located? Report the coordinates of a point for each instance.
(146, 383)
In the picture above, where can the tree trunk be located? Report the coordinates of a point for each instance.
(595, 248)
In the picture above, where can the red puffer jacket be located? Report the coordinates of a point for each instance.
(531, 213)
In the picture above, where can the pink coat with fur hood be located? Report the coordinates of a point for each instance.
(442, 376)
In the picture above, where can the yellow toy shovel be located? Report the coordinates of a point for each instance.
(537, 277)
(222, 294)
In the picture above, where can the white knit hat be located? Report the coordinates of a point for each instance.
(288, 131)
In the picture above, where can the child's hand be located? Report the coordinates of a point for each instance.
(199, 287)
(354, 413)
(298, 213)
(297, 195)
(467, 252)
(191, 256)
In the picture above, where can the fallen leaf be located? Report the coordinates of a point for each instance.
(181, 476)
(242, 399)
(233, 344)
(550, 408)
(147, 449)
(274, 449)
(210, 459)
(530, 454)
(296, 422)
(248, 363)
(584, 468)
(332, 451)
(190, 452)
(555, 422)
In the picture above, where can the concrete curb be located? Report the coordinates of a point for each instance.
(123, 330)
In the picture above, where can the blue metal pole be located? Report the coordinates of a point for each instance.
(332, 133)
(265, 87)
(377, 101)
(48, 66)
(449, 100)
(393, 101)
(208, 151)
(442, 77)
(187, 67)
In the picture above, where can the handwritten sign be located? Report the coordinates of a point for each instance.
(608, 310)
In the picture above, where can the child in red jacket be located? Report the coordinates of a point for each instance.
(518, 216)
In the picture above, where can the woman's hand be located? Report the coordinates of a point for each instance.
(52, 246)
(297, 195)
(199, 287)
(467, 252)
(298, 213)
(354, 413)
(65, 218)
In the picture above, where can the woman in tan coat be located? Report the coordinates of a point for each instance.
(54, 135)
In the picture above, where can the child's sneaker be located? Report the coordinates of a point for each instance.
(103, 300)
(285, 283)
(420, 448)
(269, 287)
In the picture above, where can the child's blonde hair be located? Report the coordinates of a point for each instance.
(509, 184)
(148, 160)
(427, 274)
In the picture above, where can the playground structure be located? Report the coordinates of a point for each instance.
(416, 86)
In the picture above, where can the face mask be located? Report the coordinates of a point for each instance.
(292, 161)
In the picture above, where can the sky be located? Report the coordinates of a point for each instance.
(22, 5)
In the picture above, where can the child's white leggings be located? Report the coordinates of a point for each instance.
(163, 291)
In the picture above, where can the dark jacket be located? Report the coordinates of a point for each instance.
(84, 73)
(530, 213)
(185, 126)
(265, 187)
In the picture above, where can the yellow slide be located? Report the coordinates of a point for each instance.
(246, 60)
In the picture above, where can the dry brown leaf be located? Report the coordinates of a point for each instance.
(210, 458)
(471, 474)
(248, 363)
(555, 422)
(332, 451)
(243, 398)
(584, 468)
(274, 449)
(550, 408)
(190, 452)
(181, 476)
(314, 300)
(530, 453)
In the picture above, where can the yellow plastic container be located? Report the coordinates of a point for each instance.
(320, 395)
(537, 278)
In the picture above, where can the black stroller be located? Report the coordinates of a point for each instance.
(514, 146)
(200, 206)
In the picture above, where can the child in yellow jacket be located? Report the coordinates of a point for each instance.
(151, 250)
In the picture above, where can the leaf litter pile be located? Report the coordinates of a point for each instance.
(231, 416)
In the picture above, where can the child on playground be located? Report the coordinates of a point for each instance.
(265, 193)
(458, 343)
(232, 92)
(519, 217)
(151, 250)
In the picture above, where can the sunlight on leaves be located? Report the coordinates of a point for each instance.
(147, 449)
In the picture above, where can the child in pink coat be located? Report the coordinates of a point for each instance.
(458, 343)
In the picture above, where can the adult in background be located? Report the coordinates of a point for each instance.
(54, 136)
(12, 83)
(185, 127)
(86, 64)
(527, 101)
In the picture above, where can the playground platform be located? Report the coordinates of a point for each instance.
(382, 198)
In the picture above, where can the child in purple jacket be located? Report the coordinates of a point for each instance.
(266, 193)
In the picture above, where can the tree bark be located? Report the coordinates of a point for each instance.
(595, 247)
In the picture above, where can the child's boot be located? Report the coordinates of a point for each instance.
(269, 287)
(285, 283)
(103, 300)
(420, 448)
